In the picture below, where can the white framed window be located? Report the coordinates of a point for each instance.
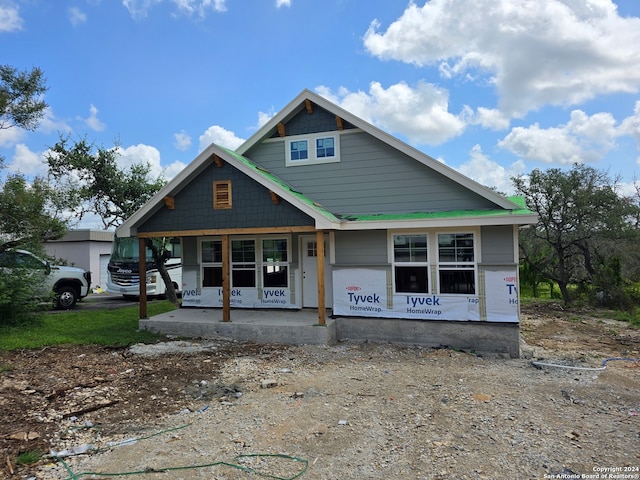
(274, 266)
(311, 149)
(410, 259)
(326, 147)
(243, 263)
(457, 263)
(299, 150)
(275, 262)
(211, 262)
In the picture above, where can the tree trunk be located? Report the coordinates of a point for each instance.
(565, 292)
(172, 296)
(159, 259)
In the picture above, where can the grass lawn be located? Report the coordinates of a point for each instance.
(114, 327)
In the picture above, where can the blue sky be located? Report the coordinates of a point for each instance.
(493, 88)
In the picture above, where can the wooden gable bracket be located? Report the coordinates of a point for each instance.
(274, 197)
(169, 202)
(309, 106)
(218, 161)
(281, 129)
(339, 123)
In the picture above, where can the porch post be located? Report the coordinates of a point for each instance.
(226, 280)
(322, 310)
(142, 271)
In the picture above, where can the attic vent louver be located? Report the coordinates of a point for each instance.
(222, 194)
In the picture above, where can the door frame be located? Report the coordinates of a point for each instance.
(312, 283)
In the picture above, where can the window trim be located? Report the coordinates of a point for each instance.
(204, 264)
(255, 262)
(457, 266)
(426, 264)
(258, 264)
(313, 158)
(433, 264)
(286, 264)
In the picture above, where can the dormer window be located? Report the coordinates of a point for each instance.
(312, 149)
(299, 150)
(325, 147)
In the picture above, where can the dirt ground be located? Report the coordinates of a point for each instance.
(227, 410)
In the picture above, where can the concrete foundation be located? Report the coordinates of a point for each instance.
(300, 327)
(267, 326)
(479, 337)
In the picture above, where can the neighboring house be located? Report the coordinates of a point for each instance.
(86, 249)
(321, 209)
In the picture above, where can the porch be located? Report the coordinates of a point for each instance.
(300, 327)
(293, 327)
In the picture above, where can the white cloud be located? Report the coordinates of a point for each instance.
(92, 120)
(283, 3)
(491, 118)
(10, 20)
(535, 52)
(182, 140)
(220, 136)
(420, 113)
(139, 8)
(76, 16)
(631, 125)
(49, 123)
(628, 189)
(583, 139)
(264, 117)
(140, 154)
(27, 162)
(11, 136)
(200, 7)
(489, 173)
(173, 169)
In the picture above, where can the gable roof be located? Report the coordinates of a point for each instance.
(507, 211)
(299, 102)
(322, 217)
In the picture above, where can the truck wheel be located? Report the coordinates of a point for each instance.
(66, 297)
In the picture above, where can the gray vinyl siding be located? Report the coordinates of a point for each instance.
(361, 248)
(371, 178)
(252, 206)
(497, 245)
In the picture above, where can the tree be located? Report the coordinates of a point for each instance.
(580, 215)
(29, 213)
(95, 183)
(21, 102)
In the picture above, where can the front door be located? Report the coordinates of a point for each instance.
(309, 256)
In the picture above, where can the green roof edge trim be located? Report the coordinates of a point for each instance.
(518, 200)
(447, 214)
(277, 180)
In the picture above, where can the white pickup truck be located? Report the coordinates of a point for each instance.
(69, 284)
